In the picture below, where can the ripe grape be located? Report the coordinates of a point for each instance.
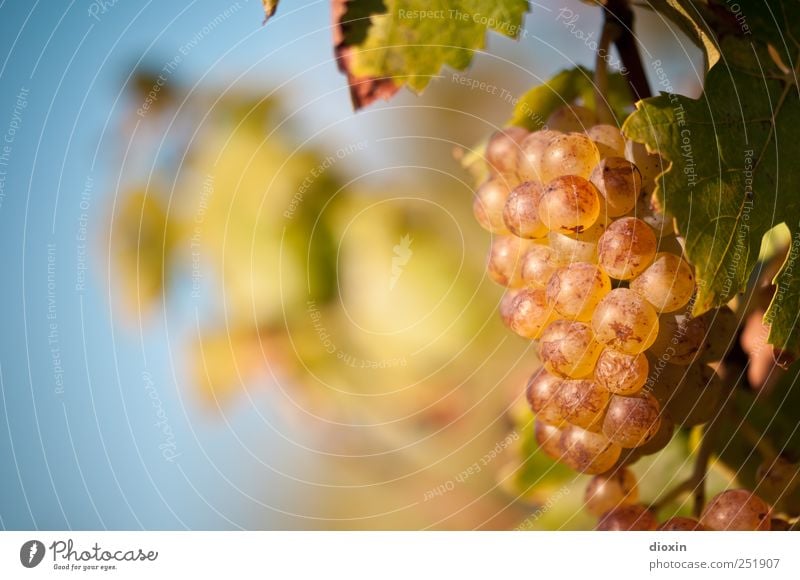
(490, 199)
(628, 518)
(619, 183)
(626, 248)
(681, 524)
(576, 289)
(540, 394)
(505, 260)
(502, 151)
(582, 402)
(625, 322)
(620, 373)
(609, 141)
(662, 437)
(611, 490)
(569, 204)
(736, 509)
(723, 325)
(529, 313)
(632, 421)
(539, 264)
(578, 247)
(681, 339)
(571, 118)
(586, 451)
(650, 165)
(569, 154)
(548, 437)
(532, 152)
(568, 349)
(667, 283)
(521, 211)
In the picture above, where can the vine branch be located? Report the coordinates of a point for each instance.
(621, 13)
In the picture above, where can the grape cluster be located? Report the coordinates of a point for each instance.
(596, 275)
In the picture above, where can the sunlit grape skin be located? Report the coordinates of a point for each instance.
(587, 452)
(505, 260)
(548, 437)
(521, 211)
(532, 152)
(569, 204)
(529, 313)
(626, 248)
(632, 421)
(540, 394)
(627, 518)
(625, 322)
(539, 264)
(608, 139)
(502, 151)
(568, 349)
(569, 154)
(667, 283)
(578, 247)
(490, 200)
(582, 402)
(736, 509)
(620, 373)
(576, 289)
(681, 339)
(619, 183)
(607, 491)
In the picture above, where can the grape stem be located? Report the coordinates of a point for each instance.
(620, 12)
(609, 33)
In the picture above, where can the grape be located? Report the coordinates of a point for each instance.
(567, 349)
(490, 199)
(586, 451)
(627, 518)
(528, 313)
(582, 403)
(681, 339)
(548, 438)
(626, 248)
(777, 478)
(609, 141)
(723, 325)
(571, 118)
(569, 204)
(532, 152)
(632, 421)
(625, 321)
(681, 524)
(736, 509)
(697, 398)
(619, 182)
(539, 264)
(611, 490)
(502, 151)
(505, 260)
(650, 165)
(540, 393)
(506, 302)
(580, 247)
(661, 439)
(521, 212)
(575, 290)
(569, 154)
(620, 373)
(667, 283)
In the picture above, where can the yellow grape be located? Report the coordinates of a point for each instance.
(521, 211)
(548, 437)
(582, 402)
(569, 204)
(539, 263)
(503, 150)
(568, 349)
(667, 283)
(528, 313)
(737, 509)
(576, 289)
(626, 248)
(611, 490)
(586, 451)
(540, 394)
(532, 153)
(569, 154)
(619, 183)
(580, 247)
(625, 322)
(609, 140)
(681, 339)
(505, 260)
(620, 373)
(490, 200)
(632, 421)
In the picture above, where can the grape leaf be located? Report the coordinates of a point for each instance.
(409, 41)
(270, 6)
(726, 185)
(532, 110)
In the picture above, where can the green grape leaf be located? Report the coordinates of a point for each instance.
(732, 178)
(270, 6)
(409, 41)
(532, 110)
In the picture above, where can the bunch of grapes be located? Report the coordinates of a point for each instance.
(595, 274)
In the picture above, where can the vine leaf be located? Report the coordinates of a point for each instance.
(270, 6)
(407, 42)
(733, 176)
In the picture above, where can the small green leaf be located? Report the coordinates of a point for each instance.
(732, 178)
(412, 39)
